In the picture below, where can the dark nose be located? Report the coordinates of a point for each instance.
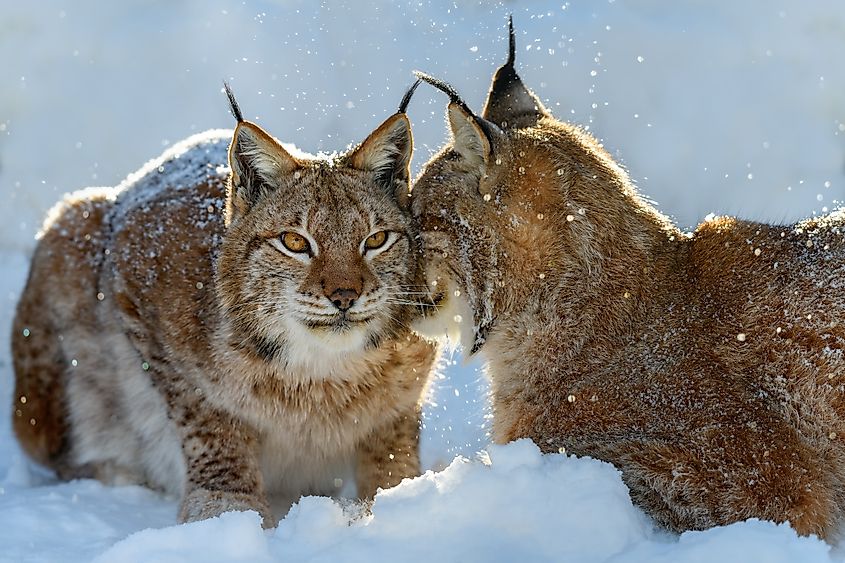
(343, 299)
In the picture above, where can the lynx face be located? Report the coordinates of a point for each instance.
(473, 215)
(318, 258)
(460, 245)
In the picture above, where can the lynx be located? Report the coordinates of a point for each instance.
(236, 336)
(707, 367)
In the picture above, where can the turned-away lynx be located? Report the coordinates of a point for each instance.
(707, 367)
(234, 337)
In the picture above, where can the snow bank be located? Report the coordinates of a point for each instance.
(74, 521)
(512, 505)
(235, 536)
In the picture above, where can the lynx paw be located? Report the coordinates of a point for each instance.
(200, 504)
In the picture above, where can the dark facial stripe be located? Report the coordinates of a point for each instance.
(254, 244)
(267, 349)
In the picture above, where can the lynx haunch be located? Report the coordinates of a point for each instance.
(237, 338)
(709, 368)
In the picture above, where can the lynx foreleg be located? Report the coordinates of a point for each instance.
(220, 453)
(389, 455)
(222, 470)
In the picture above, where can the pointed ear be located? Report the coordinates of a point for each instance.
(509, 103)
(468, 138)
(472, 136)
(258, 163)
(387, 153)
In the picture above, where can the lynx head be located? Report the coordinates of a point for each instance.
(318, 255)
(506, 208)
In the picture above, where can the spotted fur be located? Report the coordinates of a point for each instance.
(166, 338)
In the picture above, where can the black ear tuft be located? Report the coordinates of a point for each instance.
(233, 103)
(509, 103)
(488, 129)
(506, 74)
(446, 88)
(511, 43)
(406, 99)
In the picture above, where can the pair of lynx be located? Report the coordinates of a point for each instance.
(241, 336)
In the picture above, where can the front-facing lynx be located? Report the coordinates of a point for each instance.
(231, 337)
(709, 368)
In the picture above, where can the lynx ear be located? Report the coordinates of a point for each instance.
(470, 140)
(258, 163)
(509, 103)
(472, 136)
(387, 153)
(256, 159)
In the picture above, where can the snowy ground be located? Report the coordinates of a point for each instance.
(714, 107)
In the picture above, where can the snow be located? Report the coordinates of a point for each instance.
(497, 507)
(713, 107)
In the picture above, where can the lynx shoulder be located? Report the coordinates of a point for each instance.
(707, 367)
(228, 325)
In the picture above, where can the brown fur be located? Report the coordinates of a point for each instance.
(707, 367)
(164, 336)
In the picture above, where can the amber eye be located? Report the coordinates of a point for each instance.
(294, 242)
(375, 240)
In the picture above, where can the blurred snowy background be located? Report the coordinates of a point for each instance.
(724, 107)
